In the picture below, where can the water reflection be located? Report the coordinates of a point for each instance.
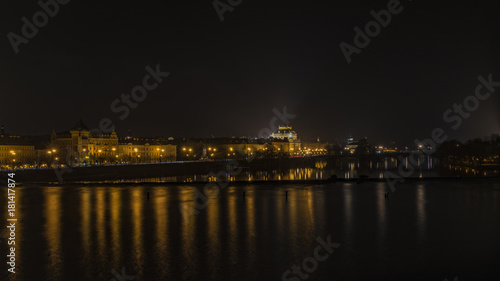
(421, 212)
(85, 211)
(136, 206)
(255, 237)
(214, 236)
(381, 210)
(100, 197)
(347, 196)
(115, 208)
(233, 228)
(250, 225)
(188, 227)
(53, 231)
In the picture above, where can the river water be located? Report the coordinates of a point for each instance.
(425, 231)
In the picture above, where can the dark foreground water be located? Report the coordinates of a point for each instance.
(425, 231)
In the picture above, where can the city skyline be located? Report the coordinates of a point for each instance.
(249, 140)
(226, 77)
(342, 139)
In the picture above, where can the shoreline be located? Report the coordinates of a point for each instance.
(260, 182)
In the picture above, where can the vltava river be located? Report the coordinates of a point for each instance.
(425, 231)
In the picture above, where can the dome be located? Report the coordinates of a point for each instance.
(284, 132)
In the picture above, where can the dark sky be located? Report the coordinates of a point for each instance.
(226, 77)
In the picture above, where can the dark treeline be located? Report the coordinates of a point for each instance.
(475, 152)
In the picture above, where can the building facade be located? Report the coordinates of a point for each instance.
(81, 146)
(136, 150)
(15, 151)
(285, 141)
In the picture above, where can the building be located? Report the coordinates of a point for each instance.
(351, 145)
(81, 146)
(284, 132)
(15, 151)
(285, 141)
(357, 147)
(135, 150)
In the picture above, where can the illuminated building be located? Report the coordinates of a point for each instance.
(284, 132)
(80, 145)
(351, 145)
(145, 150)
(285, 141)
(15, 151)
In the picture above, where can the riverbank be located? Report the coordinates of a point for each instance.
(356, 181)
(155, 170)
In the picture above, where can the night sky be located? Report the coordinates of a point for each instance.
(226, 77)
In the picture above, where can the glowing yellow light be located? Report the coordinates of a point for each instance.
(190, 149)
(49, 152)
(53, 150)
(99, 151)
(183, 149)
(231, 148)
(113, 149)
(135, 149)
